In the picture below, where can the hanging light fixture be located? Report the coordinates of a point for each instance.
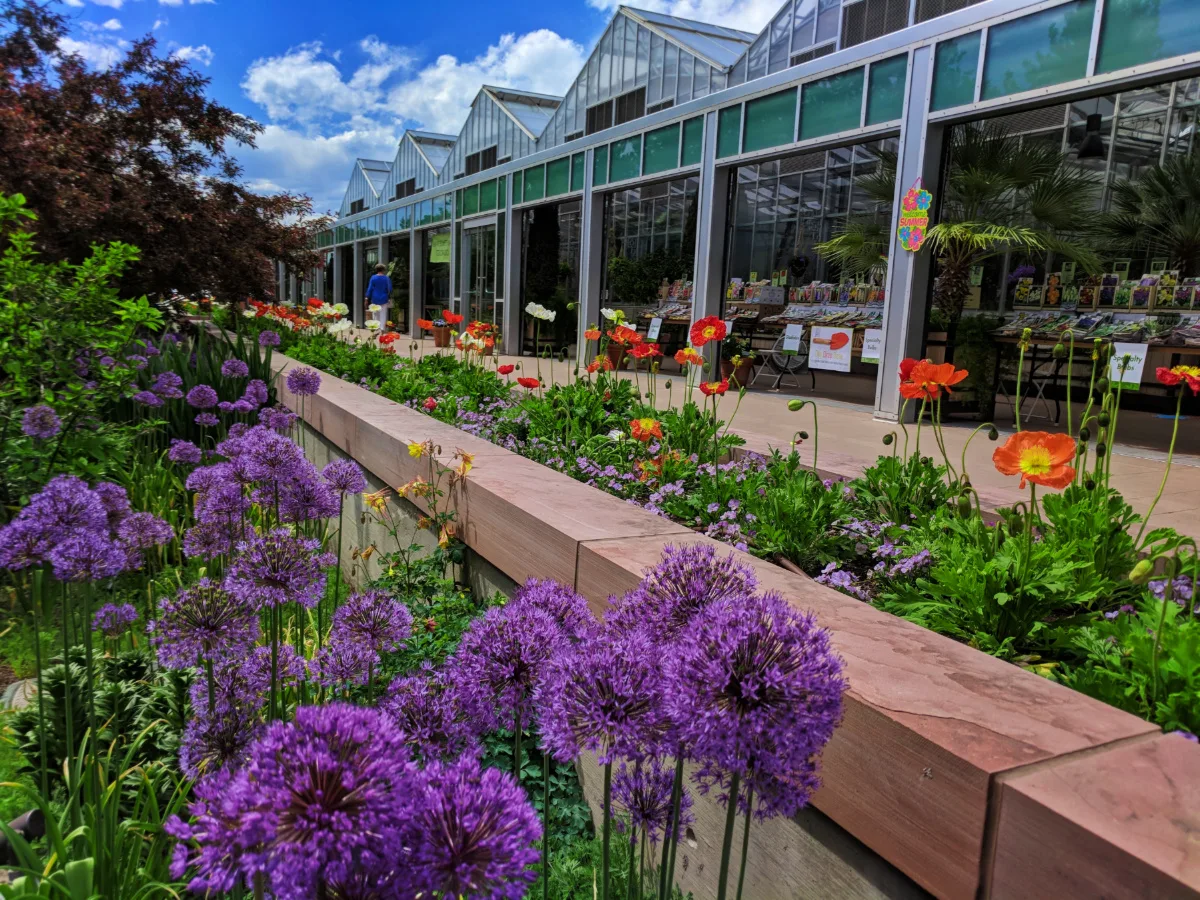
(1092, 145)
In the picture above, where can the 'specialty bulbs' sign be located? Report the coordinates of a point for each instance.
(914, 217)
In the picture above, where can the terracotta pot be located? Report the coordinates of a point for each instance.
(486, 351)
(742, 374)
(441, 336)
(935, 346)
(616, 355)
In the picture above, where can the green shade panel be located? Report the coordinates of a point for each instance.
(1036, 51)
(1140, 31)
(729, 131)
(832, 104)
(662, 149)
(626, 159)
(954, 68)
(516, 192)
(470, 201)
(770, 121)
(535, 183)
(885, 92)
(558, 176)
(693, 141)
(501, 191)
(487, 196)
(600, 165)
(577, 172)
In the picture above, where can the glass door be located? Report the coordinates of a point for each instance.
(479, 273)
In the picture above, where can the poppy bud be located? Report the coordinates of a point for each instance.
(1016, 524)
(1027, 334)
(1142, 571)
(1085, 434)
(1059, 351)
(964, 505)
(795, 405)
(804, 435)
(1081, 448)
(993, 434)
(1103, 419)
(1102, 385)
(888, 438)
(1090, 484)
(1100, 450)
(668, 384)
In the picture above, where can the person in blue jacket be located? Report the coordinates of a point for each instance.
(379, 291)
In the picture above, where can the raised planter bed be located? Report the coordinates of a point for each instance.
(949, 761)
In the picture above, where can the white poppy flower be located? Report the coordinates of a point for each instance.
(374, 308)
(373, 325)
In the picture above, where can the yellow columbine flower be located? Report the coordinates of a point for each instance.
(418, 487)
(378, 500)
(466, 462)
(416, 450)
(446, 536)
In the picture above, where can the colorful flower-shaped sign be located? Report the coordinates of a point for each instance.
(914, 217)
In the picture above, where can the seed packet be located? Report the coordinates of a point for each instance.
(1124, 294)
(1053, 291)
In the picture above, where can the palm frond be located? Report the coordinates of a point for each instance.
(982, 238)
(858, 247)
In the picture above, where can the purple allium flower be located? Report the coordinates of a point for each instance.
(322, 803)
(137, 360)
(279, 420)
(268, 339)
(604, 697)
(235, 368)
(40, 422)
(256, 391)
(563, 604)
(503, 654)
(184, 452)
(688, 579)
(373, 619)
(147, 398)
(432, 713)
(643, 792)
(305, 499)
(474, 835)
(88, 556)
(303, 381)
(167, 385)
(345, 476)
(107, 361)
(207, 541)
(203, 623)
(143, 530)
(207, 420)
(344, 663)
(756, 691)
(115, 500)
(23, 543)
(114, 620)
(65, 505)
(276, 568)
(202, 397)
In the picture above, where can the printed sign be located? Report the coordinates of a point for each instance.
(439, 248)
(792, 335)
(830, 348)
(914, 217)
(729, 326)
(1127, 373)
(976, 276)
(872, 345)
(655, 327)
(1068, 272)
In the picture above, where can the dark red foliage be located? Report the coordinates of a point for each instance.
(139, 154)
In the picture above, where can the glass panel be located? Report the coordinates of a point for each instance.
(756, 65)
(770, 121)
(535, 183)
(885, 96)
(693, 141)
(500, 238)
(1140, 31)
(831, 104)
(501, 191)
(670, 71)
(577, 172)
(487, 196)
(558, 176)
(662, 149)
(700, 80)
(955, 65)
(729, 131)
(626, 159)
(802, 30)
(828, 15)
(1046, 48)
(780, 33)
(516, 188)
(654, 88)
(643, 55)
(685, 78)
(470, 204)
(629, 70)
(600, 165)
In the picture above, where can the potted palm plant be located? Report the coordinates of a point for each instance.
(1156, 213)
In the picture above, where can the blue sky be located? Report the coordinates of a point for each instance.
(333, 81)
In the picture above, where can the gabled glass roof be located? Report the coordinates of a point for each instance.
(718, 45)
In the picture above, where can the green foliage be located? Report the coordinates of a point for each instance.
(798, 516)
(901, 490)
(1156, 214)
(569, 818)
(575, 871)
(635, 281)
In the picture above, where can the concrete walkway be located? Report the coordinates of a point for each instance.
(850, 439)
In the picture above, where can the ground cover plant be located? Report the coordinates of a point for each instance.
(1070, 583)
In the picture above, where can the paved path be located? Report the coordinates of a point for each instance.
(851, 438)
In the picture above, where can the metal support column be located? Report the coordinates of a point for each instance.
(359, 286)
(510, 327)
(908, 274)
(455, 303)
(339, 295)
(708, 288)
(591, 256)
(416, 283)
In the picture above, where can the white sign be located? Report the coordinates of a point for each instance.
(791, 338)
(729, 326)
(652, 331)
(1127, 373)
(830, 348)
(872, 345)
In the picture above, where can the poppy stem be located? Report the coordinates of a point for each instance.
(1166, 471)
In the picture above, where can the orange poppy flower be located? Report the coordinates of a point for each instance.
(649, 468)
(688, 356)
(315, 303)
(528, 383)
(642, 351)
(645, 429)
(625, 336)
(708, 388)
(710, 328)
(600, 362)
(506, 369)
(452, 318)
(1038, 457)
(425, 324)
(592, 334)
(1189, 375)
(926, 380)
(390, 338)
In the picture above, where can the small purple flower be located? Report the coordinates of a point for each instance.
(303, 381)
(167, 385)
(184, 452)
(147, 398)
(278, 568)
(114, 620)
(643, 792)
(345, 476)
(373, 619)
(40, 422)
(278, 420)
(203, 623)
(207, 420)
(137, 360)
(202, 397)
(474, 835)
(268, 339)
(235, 368)
(256, 392)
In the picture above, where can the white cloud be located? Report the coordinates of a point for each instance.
(111, 4)
(439, 96)
(77, 4)
(170, 2)
(202, 53)
(112, 25)
(98, 54)
(201, 2)
(745, 15)
(159, 23)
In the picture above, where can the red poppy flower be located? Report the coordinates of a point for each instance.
(688, 356)
(506, 369)
(645, 350)
(710, 328)
(927, 380)
(1189, 375)
(425, 324)
(592, 334)
(645, 429)
(600, 362)
(430, 404)
(528, 383)
(708, 388)
(315, 303)
(906, 367)
(625, 336)
(390, 338)
(451, 318)
(1038, 457)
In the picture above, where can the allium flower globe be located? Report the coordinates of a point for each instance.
(374, 619)
(268, 339)
(303, 381)
(40, 422)
(202, 397)
(235, 368)
(184, 452)
(277, 568)
(345, 476)
(562, 603)
(113, 620)
(203, 622)
(643, 792)
(433, 714)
